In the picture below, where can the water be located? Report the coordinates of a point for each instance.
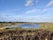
(25, 26)
(30, 25)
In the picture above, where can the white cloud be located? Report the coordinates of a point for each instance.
(31, 2)
(38, 18)
(47, 17)
(33, 11)
(36, 11)
(50, 3)
(10, 18)
(39, 11)
(41, 15)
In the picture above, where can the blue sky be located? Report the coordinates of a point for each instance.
(26, 10)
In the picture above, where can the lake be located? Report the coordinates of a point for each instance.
(25, 26)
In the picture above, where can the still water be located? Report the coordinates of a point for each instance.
(25, 26)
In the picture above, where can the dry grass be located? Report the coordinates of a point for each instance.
(47, 26)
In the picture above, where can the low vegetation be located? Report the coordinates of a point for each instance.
(45, 26)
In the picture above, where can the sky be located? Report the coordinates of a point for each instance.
(26, 10)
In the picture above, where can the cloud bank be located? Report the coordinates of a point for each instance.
(39, 15)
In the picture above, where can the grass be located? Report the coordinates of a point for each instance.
(44, 26)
